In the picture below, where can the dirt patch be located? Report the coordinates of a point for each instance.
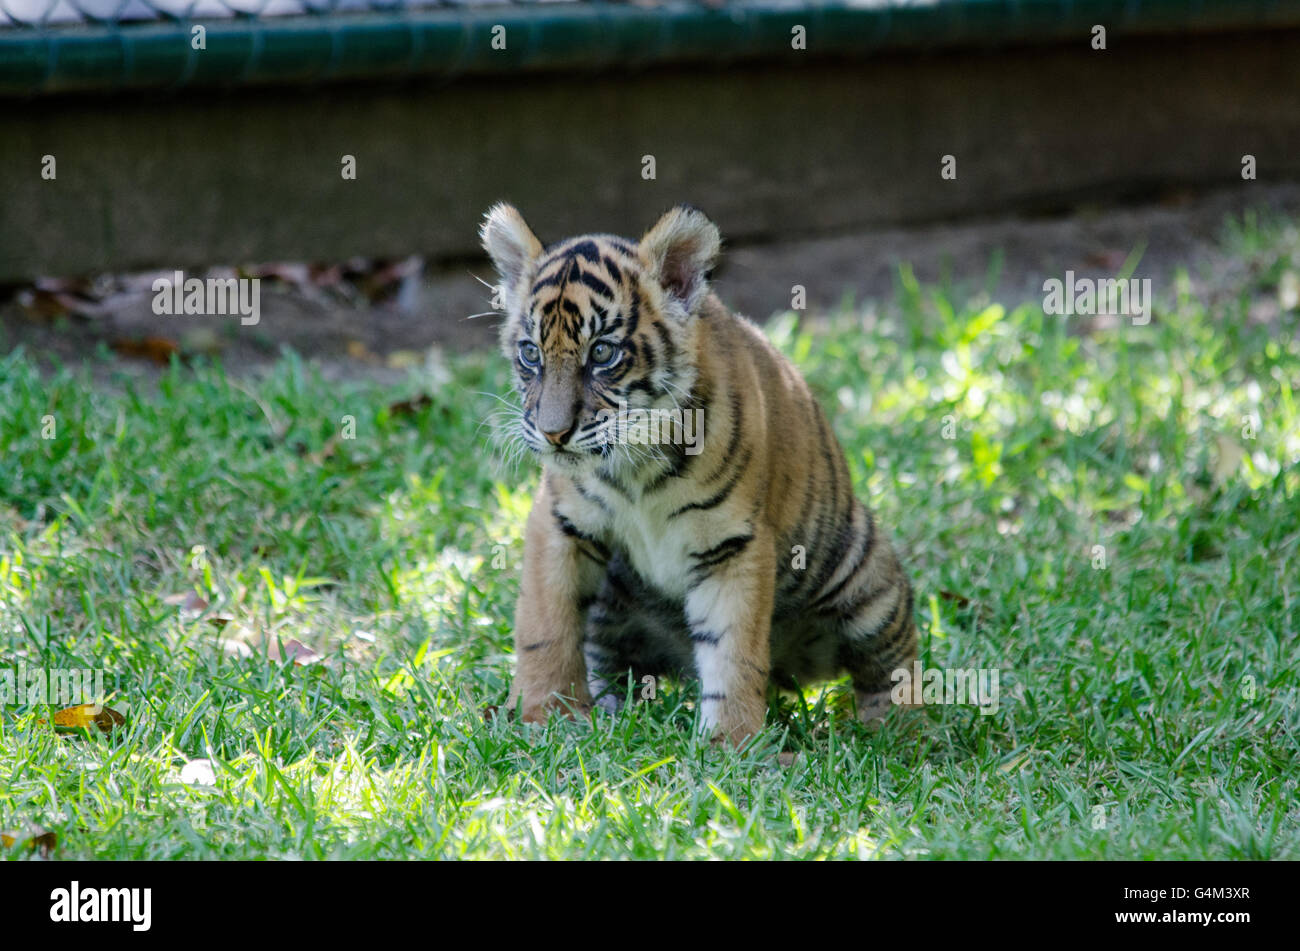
(354, 331)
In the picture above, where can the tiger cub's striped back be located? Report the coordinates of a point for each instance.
(684, 460)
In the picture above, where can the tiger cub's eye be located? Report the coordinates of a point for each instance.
(529, 354)
(603, 354)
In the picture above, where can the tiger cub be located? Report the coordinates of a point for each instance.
(742, 559)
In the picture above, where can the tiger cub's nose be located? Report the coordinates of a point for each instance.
(558, 438)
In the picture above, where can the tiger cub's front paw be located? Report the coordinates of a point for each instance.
(874, 707)
(737, 724)
(541, 711)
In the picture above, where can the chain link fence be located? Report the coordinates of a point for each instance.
(39, 14)
(63, 46)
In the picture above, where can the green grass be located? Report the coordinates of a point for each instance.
(1148, 707)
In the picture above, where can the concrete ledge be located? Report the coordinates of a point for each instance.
(414, 38)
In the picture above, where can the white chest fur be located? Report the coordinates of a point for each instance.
(657, 546)
(658, 551)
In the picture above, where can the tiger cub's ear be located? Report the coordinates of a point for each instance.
(509, 242)
(679, 251)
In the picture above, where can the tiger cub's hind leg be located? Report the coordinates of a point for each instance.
(630, 631)
(877, 640)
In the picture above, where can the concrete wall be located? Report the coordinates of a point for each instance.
(189, 180)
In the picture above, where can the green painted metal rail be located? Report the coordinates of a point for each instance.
(445, 43)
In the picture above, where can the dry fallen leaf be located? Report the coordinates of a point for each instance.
(1107, 259)
(325, 275)
(384, 279)
(404, 359)
(235, 649)
(325, 452)
(189, 601)
(86, 715)
(157, 349)
(46, 305)
(358, 350)
(412, 406)
(297, 276)
(37, 839)
(295, 650)
(959, 599)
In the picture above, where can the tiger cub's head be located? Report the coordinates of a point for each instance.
(597, 326)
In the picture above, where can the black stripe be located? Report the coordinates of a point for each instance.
(867, 545)
(713, 696)
(665, 338)
(650, 356)
(828, 560)
(706, 637)
(800, 575)
(678, 462)
(849, 612)
(592, 282)
(587, 250)
(832, 557)
(594, 499)
(811, 497)
(733, 441)
(537, 645)
(682, 460)
(613, 483)
(723, 551)
(573, 531)
(634, 313)
(901, 632)
(721, 496)
(552, 280)
(893, 615)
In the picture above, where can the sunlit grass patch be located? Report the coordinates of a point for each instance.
(1108, 518)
